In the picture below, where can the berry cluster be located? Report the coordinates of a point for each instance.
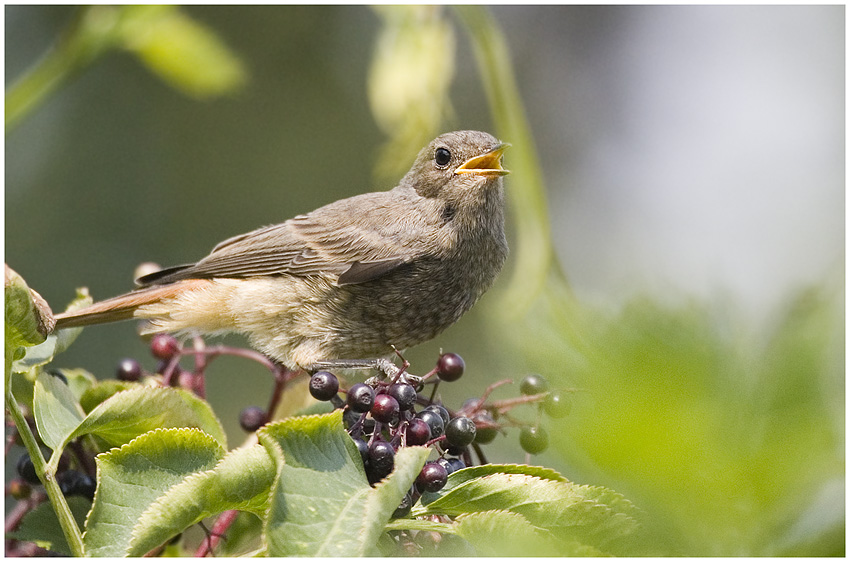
(383, 415)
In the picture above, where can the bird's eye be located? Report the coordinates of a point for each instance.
(442, 156)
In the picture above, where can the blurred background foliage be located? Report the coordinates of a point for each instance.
(714, 403)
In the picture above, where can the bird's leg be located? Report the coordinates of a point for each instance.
(389, 369)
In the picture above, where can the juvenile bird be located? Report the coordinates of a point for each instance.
(350, 280)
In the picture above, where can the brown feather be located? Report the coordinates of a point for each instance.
(122, 307)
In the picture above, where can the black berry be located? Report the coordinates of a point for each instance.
(404, 507)
(128, 370)
(385, 409)
(418, 432)
(362, 447)
(381, 460)
(557, 405)
(324, 385)
(533, 384)
(360, 397)
(164, 346)
(252, 418)
(26, 469)
(451, 464)
(434, 421)
(432, 478)
(76, 483)
(534, 440)
(440, 410)
(450, 367)
(404, 394)
(460, 432)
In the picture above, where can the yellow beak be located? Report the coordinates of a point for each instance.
(488, 164)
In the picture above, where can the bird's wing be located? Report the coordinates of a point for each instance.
(337, 239)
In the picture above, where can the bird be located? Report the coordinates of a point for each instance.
(349, 282)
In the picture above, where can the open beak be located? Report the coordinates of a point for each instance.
(488, 164)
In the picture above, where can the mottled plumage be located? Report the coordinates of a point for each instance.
(349, 279)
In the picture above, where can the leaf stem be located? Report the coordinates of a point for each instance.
(47, 475)
(535, 256)
(89, 36)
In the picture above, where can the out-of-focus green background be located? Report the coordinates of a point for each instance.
(693, 159)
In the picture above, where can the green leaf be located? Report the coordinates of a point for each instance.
(24, 326)
(132, 478)
(57, 411)
(102, 390)
(41, 525)
(55, 343)
(241, 480)
(503, 533)
(181, 51)
(322, 504)
(591, 515)
(130, 413)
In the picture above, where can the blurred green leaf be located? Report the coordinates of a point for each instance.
(41, 525)
(408, 84)
(181, 51)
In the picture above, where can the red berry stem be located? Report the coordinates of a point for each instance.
(222, 524)
(282, 375)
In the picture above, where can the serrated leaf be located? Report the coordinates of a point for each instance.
(504, 533)
(41, 526)
(56, 410)
(130, 413)
(584, 513)
(132, 478)
(322, 504)
(241, 480)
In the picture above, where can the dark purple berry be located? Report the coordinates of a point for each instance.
(557, 405)
(533, 384)
(451, 464)
(362, 447)
(128, 370)
(76, 483)
(360, 398)
(164, 346)
(404, 507)
(26, 469)
(460, 432)
(404, 394)
(252, 418)
(324, 385)
(534, 439)
(432, 478)
(440, 410)
(450, 367)
(456, 451)
(381, 460)
(385, 409)
(434, 421)
(418, 432)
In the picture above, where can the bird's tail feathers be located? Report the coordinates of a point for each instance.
(118, 308)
